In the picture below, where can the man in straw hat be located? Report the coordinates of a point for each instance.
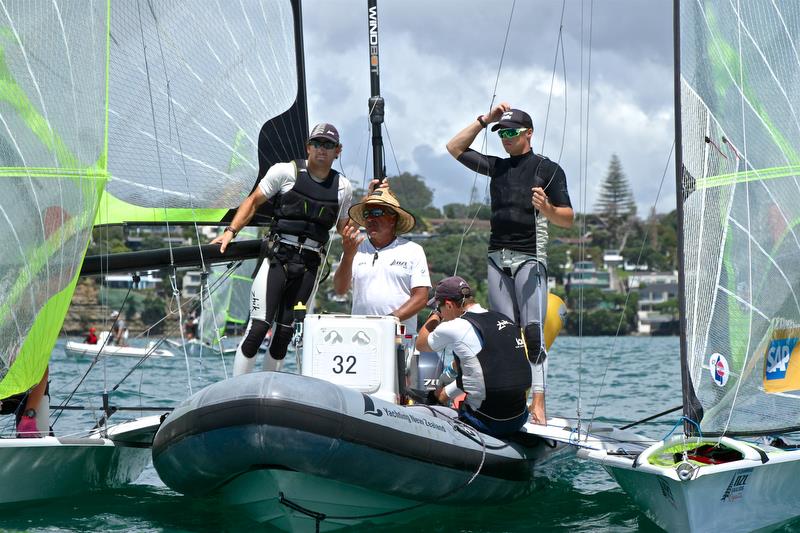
(492, 368)
(389, 274)
(527, 191)
(310, 198)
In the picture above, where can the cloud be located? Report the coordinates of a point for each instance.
(439, 66)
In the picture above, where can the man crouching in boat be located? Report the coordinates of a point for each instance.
(492, 368)
(310, 197)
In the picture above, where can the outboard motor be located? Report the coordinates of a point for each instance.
(423, 374)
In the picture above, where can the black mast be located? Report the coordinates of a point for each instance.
(376, 100)
(692, 409)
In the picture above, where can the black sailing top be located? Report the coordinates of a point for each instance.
(513, 218)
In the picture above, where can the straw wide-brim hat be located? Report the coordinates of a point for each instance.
(405, 220)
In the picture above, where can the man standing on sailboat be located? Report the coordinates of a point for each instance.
(382, 259)
(527, 190)
(310, 198)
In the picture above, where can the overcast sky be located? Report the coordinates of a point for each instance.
(439, 61)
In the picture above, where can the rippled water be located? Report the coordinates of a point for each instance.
(619, 381)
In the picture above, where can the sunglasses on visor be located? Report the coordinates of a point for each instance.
(376, 212)
(328, 145)
(510, 133)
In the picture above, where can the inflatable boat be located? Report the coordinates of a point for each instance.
(342, 443)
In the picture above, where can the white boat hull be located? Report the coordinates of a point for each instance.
(54, 467)
(741, 495)
(80, 349)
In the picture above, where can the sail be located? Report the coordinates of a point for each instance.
(203, 97)
(740, 137)
(231, 300)
(129, 111)
(53, 167)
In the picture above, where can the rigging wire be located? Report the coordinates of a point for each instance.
(173, 271)
(628, 293)
(484, 142)
(584, 192)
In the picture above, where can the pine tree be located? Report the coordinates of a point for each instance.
(616, 199)
(615, 204)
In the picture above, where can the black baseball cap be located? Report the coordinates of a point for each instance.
(454, 288)
(514, 118)
(326, 131)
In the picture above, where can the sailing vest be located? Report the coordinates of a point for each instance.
(513, 219)
(506, 372)
(309, 209)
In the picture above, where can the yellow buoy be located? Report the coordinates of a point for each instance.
(555, 319)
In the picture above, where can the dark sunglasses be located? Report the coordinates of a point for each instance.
(510, 133)
(376, 212)
(328, 145)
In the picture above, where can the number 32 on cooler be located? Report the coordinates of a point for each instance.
(344, 364)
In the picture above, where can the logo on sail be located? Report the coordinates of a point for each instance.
(781, 362)
(720, 371)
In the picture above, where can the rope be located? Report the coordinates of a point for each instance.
(484, 144)
(459, 426)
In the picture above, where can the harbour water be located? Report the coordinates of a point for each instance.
(619, 381)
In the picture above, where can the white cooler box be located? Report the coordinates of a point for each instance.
(355, 351)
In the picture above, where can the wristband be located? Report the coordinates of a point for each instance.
(230, 228)
(481, 122)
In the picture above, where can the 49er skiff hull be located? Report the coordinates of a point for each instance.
(285, 446)
(754, 490)
(54, 467)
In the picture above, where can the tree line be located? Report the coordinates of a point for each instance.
(613, 224)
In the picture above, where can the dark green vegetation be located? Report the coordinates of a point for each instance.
(456, 237)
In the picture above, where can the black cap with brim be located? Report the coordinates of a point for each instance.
(454, 288)
(324, 131)
(514, 118)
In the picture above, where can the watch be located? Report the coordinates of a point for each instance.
(30, 413)
(230, 228)
(481, 122)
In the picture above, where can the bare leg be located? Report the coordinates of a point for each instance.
(29, 427)
(537, 409)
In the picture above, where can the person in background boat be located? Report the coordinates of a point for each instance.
(119, 330)
(388, 274)
(190, 326)
(491, 365)
(91, 337)
(310, 198)
(527, 191)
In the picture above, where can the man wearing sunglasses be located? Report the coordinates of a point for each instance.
(309, 199)
(491, 365)
(527, 191)
(388, 274)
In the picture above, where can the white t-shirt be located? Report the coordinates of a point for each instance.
(383, 279)
(458, 337)
(280, 178)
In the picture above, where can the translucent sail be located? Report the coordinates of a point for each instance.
(192, 88)
(231, 300)
(740, 97)
(53, 159)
